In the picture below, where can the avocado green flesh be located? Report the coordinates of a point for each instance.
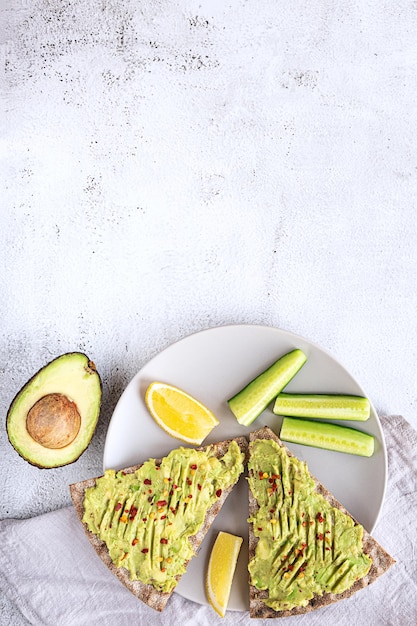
(249, 403)
(147, 517)
(305, 546)
(73, 376)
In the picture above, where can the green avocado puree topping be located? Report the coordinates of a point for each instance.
(305, 546)
(146, 517)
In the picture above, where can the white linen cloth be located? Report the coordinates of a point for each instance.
(50, 572)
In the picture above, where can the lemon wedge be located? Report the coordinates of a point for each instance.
(221, 569)
(178, 413)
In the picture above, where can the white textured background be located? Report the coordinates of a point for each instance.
(172, 166)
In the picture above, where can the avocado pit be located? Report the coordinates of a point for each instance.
(53, 421)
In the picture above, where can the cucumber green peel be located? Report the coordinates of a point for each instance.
(336, 407)
(327, 436)
(249, 403)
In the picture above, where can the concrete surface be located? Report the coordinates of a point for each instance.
(169, 167)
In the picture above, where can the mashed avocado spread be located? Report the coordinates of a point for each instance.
(146, 517)
(305, 546)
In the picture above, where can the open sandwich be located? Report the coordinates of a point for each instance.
(305, 550)
(146, 522)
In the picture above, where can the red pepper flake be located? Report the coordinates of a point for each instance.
(199, 487)
(157, 467)
(126, 510)
(133, 511)
(163, 517)
(261, 475)
(260, 528)
(272, 510)
(189, 482)
(135, 541)
(147, 481)
(304, 524)
(150, 499)
(144, 519)
(162, 503)
(320, 536)
(175, 486)
(320, 518)
(123, 473)
(171, 493)
(145, 550)
(163, 569)
(290, 493)
(291, 567)
(118, 507)
(193, 466)
(218, 493)
(327, 548)
(190, 496)
(164, 540)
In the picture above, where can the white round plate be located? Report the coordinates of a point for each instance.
(212, 366)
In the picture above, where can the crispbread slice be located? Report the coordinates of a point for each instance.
(155, 598)
(381, 560)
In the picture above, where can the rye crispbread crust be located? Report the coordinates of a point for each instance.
(147, 593)
(381, 560)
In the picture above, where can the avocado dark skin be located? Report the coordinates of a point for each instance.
(52, 419)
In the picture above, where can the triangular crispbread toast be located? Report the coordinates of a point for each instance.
(147, 592)
(291, 565)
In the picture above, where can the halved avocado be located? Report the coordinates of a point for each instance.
(53, 417)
